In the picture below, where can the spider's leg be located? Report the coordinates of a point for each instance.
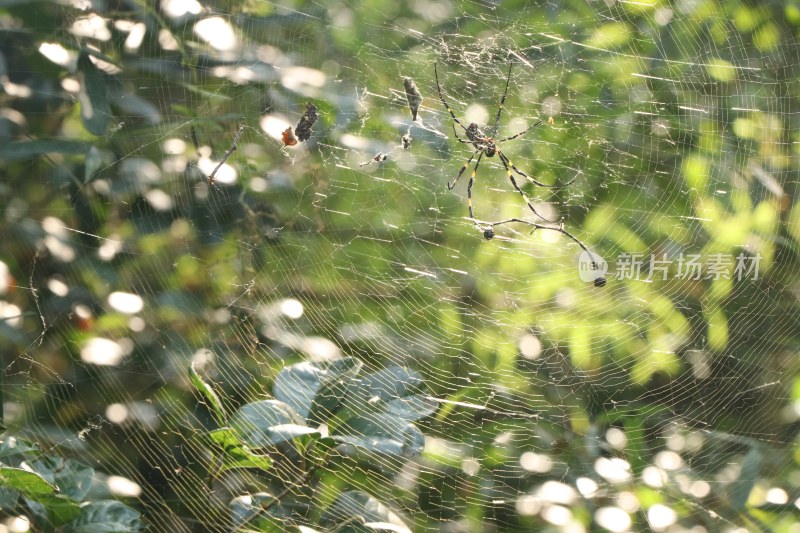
(469, 189)
(507, 162)
(441, 97)
(536, 225)
(503, 159)
(453, 181)
(523, 132)
(455, 132)
(502, 101)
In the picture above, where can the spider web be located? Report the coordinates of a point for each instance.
(658, 402)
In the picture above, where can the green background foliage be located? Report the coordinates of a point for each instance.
(146, 312)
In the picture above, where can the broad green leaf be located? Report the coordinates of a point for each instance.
(31, 149)
(53, 509)
(355, 510)
(382, 433)
(393, 382)
(267, 423)
(316, 390)
(71, 477)
(209, 394)
(106, 516)
(394, 390)
(12, 446)
(380, 442)
(258, 511)
(28, 483)
(95, 111)
(411, 408)
(237, 454)
(94, 160)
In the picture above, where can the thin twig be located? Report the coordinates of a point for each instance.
(226, 155)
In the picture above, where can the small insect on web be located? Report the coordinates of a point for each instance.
(302, 132)
(488, 145)
(377, 158)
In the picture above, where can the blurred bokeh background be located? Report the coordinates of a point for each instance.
(667, 400)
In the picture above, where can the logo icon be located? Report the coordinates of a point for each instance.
(592, 268)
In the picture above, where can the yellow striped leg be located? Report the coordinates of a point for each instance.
(503, 159)
(452, 182)
(469, 190)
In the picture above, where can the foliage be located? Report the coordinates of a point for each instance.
(50, 490)
(368, 423)
(312, 294)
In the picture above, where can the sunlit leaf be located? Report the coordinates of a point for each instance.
(71, 477)
(267, 423)
(316, 390)
(28, 483)
(356, 508)
(95, 111)
(236, 454)
(208, 393)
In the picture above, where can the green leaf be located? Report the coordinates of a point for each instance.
(8, 498)
(237, 454)
(29, 149)
(206, 391)
(94, 160)
(53, 509)
(245, 508)
(316, 390)
(740, 489)
(396, 391)
(106, 516)
(269, 422)
(393, 382)
(95, 111)
(71, 477)
(358, 511)
(12, 446)
(379, 442)
(28, 483)
(383, 434)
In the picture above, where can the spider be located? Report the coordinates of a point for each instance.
(488, 145)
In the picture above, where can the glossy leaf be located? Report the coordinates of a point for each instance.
(358, 511)
(28, 483)
(71, 477)
(316, 390)
(267, 423)
(396, 390)
(106, 517)
(208, 393)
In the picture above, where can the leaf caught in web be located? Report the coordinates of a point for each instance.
(303, 128)
(413, 96)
